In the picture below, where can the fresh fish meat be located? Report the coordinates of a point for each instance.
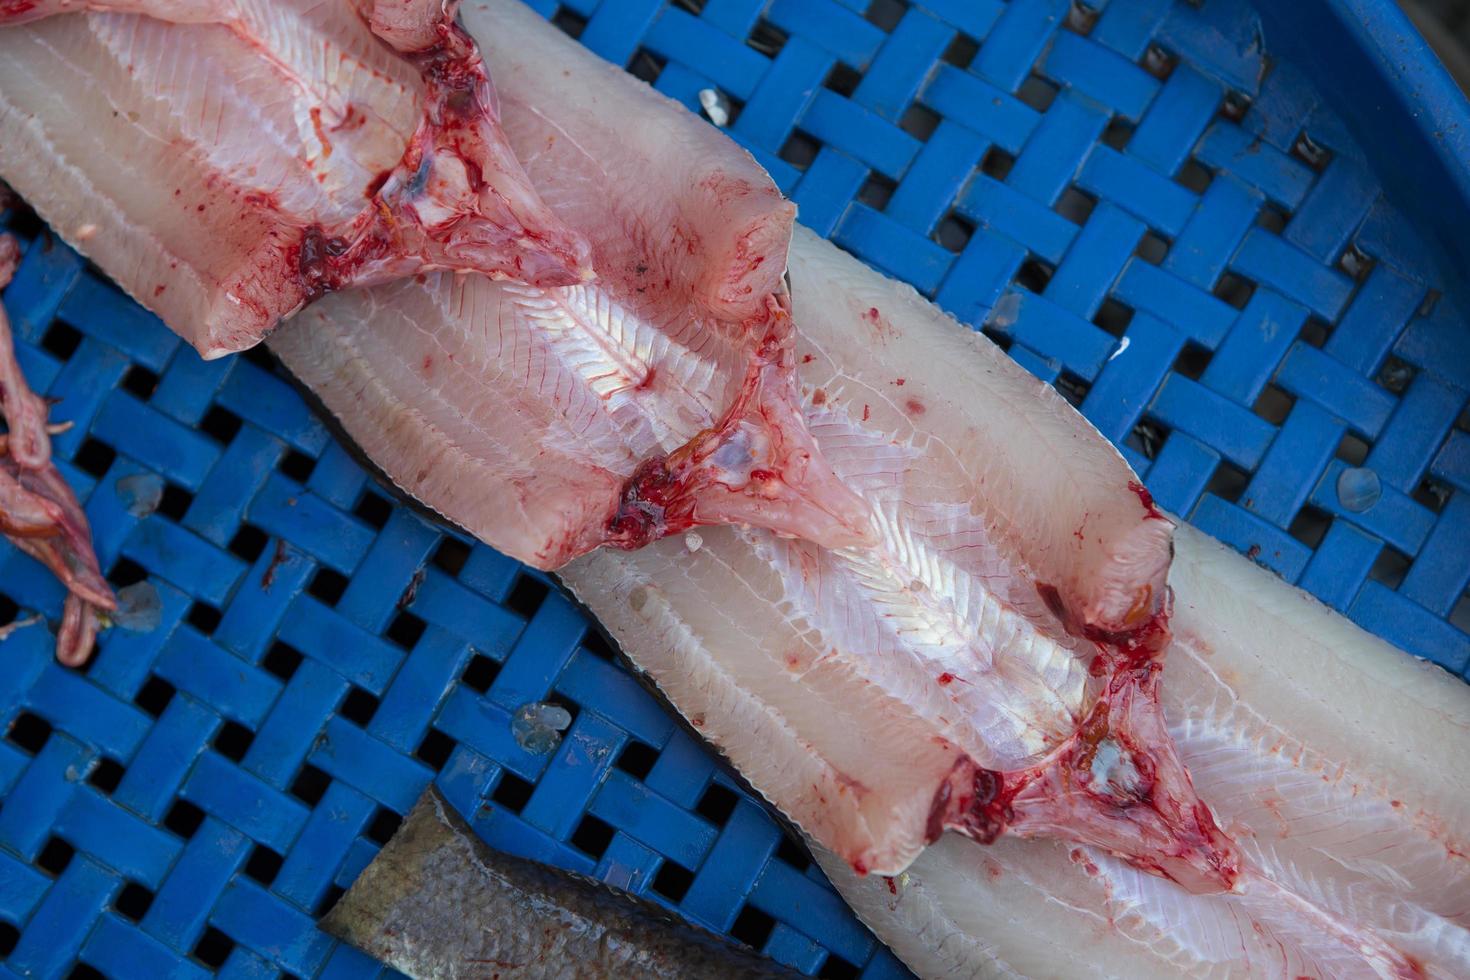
(1337, 763)
(39, 514)
(229, 169)
(437, 902)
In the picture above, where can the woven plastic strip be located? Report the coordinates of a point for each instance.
(1130, 196)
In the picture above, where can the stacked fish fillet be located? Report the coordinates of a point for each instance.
(899, 582)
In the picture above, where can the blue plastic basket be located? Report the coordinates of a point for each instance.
(1070, 176)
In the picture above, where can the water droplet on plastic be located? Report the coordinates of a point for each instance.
(140, 493)
(1358, 489)
(716, 106)
(1006, 311)
(537, 726)
(693, 541)
(139, 609)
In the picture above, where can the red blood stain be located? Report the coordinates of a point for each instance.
(865, 413)
(806, 358)
(1147, 498)
(158, 290)
(819, 397)
(899, 382)
(892, 887)
(914, 406)
(945, 679)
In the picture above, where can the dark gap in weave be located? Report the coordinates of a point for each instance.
(512, 792)
(1316, 331)
(646, 65)
(8, 610)
(373, 510)
(9, 937)
(55, 856)
(799, 150)
(263, 866)
(835, 967)
(126, 572)
(1034, 274)
(572, 24)
(885, 14)
(133, 902)
(997, 163)
(282, 660)
(204, 618)
(221, 425)
(1234, 290)
(919, 121)
(1273, 404)
(767, 38)
(527, 596)
(1432, 494)
(842, 79)
(752, 927)
(435, 749)
(877, 191)
(1235, 105)
(954, 232)
(384, 825)
(358, 706)
(406, 629)
(695, 7)
(961, 51)
(672, 881)
(1355, 263)
(86, 971)
(598, 645)
(1272, 218)
(1430, 301)
(1310, 526)
(1153, 248)
(61, 340)
(1194, 176)
(1351, 449)
(29, 733)
(1076, 205)
(1081, 18)
(106, 775)
(1228, 482)
(213, 948)
(296, 466)
(233, 741)
(1390, 567)
(480, 673)
(592, 836)
(175, 502)
(183, 819)
(450, 556)
(637, 760)
(1310, 152)
(792, 851)
(1113, 317)
(310, 784)
(328, 585)
(1460, 615)
(140, 381)
(248, 542)
(1396, 374)
(94, 457)
(1118, 132)
(1159, 61)
(1072, 387)
(1192, 361)
(1147, 437)
(154, 696)
(261, 357)
(997, 337)
(716, 804)
(1038, 92)
(330, 898)
(572, 708)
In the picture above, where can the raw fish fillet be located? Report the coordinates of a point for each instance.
(658, 397)
(38, 512)
(1338, 764)
(228, 170)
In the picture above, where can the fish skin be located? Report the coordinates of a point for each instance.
(265, 152)
(437, 902)
(1340, 769)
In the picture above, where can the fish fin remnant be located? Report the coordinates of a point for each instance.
(38, 511)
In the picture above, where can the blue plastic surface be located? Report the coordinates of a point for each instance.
(1147, 210)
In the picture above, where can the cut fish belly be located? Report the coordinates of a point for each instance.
(226, 172)
(659, 397)
(1337, 763)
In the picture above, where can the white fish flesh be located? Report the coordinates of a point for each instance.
(1337, 763)
(231, 168)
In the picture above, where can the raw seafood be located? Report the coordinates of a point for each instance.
(228, 170)
(1338, 764)
(38, 512)
(438, 902)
